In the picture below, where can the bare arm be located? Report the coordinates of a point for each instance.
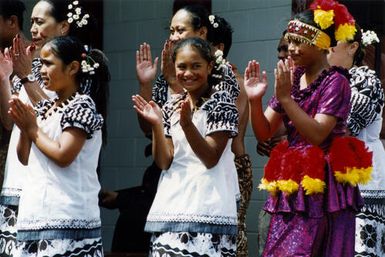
(145, 72)
(209, 149)
(162, 147)
(63, 152)
(23, 148)
(264, 124)
(5, 88)
(314, 130)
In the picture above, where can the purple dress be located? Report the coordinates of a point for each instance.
(318, 224)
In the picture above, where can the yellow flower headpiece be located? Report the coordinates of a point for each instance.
(329, 12)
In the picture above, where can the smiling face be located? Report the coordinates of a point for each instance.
(56, 75)
(192, 70)
(43, 25)
(181, 27)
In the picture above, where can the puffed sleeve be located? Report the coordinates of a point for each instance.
(159, 91)
(367, 98)
(82, 114)
(229, 83)
(335, 96)
(222, 114)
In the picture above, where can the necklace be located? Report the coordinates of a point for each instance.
(49, 111)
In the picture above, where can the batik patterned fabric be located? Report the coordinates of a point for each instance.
(60, 248)
(8, 218)
(367, 98)
(309, 214)
(245, 179)
(186, 244)
(370, 225)
(365, 121)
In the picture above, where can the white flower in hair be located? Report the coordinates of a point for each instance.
(88, 65)
(77, 16)
(212, 21)
(369, 37)
(219, 60)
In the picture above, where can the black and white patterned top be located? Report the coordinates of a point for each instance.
(222, 114)
(160, 92)
(367, 98)
(56, 198)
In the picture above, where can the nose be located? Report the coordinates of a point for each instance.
(33, 29)
(174, 37)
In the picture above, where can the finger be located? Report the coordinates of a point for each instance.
(148, 50)
(137, 57)
(145, 52)
(257, 69)
(156, 62)
(264, 77)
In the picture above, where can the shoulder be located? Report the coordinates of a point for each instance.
(335, 78)
(363, 76)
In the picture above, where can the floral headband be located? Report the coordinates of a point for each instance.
(75, 14)
(329, 12)
(305, 33)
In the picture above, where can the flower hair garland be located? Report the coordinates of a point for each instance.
(75, 14)
(212, 21)
(88, 64)
(369, 37)
(329, 12)
(220, 62)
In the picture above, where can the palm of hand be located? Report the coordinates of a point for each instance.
(146, 71)
(152, 113)
(254, 87)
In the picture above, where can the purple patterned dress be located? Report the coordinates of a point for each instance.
(318, 224)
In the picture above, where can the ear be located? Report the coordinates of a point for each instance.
(220, 46)
(353, 48)
(203, 32)
(73, 68)
(13, 21)
(64, 28)
(210, 67)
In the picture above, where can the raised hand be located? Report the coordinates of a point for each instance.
(5, 65)
(283, 79)
(23, 115)
(167, 66)
(145, 68)
(185, 113)
(255, 83)
(22, 57)
(150, 111)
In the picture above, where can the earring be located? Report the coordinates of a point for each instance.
(62, 32)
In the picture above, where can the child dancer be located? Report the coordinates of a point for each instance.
(59, 213)
(365, 122)
(313, 211)
(194, 210)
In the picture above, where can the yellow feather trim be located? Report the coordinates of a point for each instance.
(312, 185)
(345, 32)
(268, 186)
(354, 176)
(287, 186)
(324, 18)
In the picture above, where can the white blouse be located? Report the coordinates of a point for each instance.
(191, 197)
(61, 202)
